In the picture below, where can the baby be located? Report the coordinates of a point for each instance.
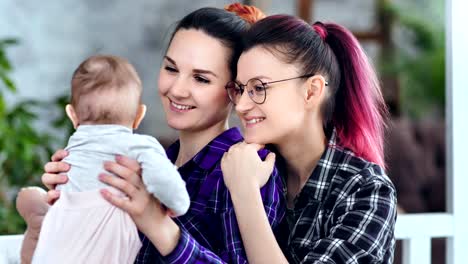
(82, 227)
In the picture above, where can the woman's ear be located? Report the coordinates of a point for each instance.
(139, 116)
(72, 115)
(314, 90)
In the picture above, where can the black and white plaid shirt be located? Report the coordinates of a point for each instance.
(345, 213)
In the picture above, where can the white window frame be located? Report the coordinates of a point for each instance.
(416, 230)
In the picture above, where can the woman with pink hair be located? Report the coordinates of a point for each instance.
(312, 94)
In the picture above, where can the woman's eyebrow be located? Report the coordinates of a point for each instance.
(260, 77)
(197, 71)
(170, 60)
(200, 71)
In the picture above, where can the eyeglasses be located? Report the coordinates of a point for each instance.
(256, 89)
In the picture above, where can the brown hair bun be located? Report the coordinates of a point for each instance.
(251, 14)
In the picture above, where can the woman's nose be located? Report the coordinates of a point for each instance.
(245, 103)
(179, 88)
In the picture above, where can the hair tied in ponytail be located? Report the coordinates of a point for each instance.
(321, 30)
(250, 14)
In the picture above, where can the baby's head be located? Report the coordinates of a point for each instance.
(106, 90)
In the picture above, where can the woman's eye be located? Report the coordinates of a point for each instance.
(170, 69)
(259, 89)
(201, 79)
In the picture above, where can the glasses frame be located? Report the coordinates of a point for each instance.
(264, 84)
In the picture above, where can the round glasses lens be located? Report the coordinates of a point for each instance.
(234, 91)
(256, 91)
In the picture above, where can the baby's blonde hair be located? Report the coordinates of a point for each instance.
(105, 90)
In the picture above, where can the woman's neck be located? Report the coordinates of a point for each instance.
(191, 142)
(302, 151)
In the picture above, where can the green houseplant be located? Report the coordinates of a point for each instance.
(418, 59)
(23, 148)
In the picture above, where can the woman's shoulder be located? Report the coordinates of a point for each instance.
(229, 137)
(355, 170)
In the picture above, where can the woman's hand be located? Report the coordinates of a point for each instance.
(243, 170)
(139, 203)
(146, 211)
(51, 177)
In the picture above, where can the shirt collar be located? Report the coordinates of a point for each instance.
(102, 129)
(209, 155)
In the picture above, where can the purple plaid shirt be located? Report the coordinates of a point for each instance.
(209, 230)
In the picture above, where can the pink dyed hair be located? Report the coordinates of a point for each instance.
(360, 111)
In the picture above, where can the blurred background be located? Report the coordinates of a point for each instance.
(41, 43)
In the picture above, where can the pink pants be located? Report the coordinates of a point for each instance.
(82, 227)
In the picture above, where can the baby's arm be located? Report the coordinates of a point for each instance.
(161, 177)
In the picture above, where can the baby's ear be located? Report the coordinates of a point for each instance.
(139, 116)
(72, 115)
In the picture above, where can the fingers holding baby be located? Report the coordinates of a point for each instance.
(141, 205)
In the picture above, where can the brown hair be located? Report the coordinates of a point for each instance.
(105, 90)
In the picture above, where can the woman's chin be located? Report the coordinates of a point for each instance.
(253, 139)
(177, 125)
